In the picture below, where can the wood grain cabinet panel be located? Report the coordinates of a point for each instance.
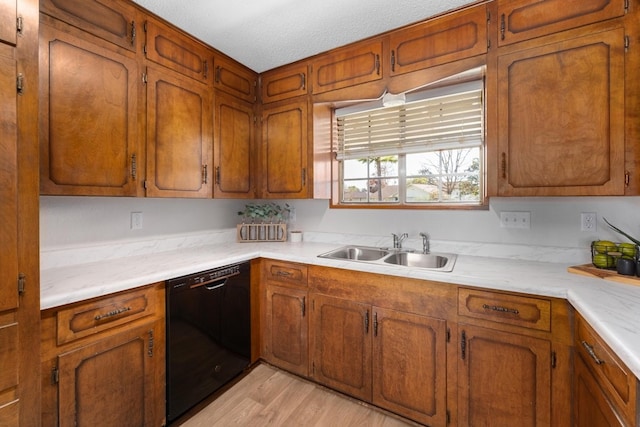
(286, 329)
(285, 148)
(175, 50)
(348, 66)
(115, 22)
(235, 79)
(438, 41)
(179, 136)
(80, 82)
(284, 83)
(504, 379)
(569, 145)
(233, 148)
(526, 19)
(616, 384)
(8, 17)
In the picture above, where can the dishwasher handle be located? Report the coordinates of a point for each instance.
(216, 283)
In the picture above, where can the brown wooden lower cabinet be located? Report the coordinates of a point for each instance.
(393, 359)
(504, 379)
(113, 377)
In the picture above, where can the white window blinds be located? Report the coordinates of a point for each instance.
(450, 121)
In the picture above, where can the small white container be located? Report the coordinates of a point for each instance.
(296, 236)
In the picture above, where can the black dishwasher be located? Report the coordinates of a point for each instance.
(208, 333)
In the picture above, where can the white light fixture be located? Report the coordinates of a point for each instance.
(393, 100)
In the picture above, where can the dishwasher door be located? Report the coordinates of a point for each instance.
(208, 334)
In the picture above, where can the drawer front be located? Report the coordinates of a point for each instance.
(615, 378)
(527, 312)
(82, 320)
(285, 273)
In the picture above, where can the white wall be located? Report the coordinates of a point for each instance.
(554, 221)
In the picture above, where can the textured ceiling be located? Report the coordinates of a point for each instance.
(264, 34)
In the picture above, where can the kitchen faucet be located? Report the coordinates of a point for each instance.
(398, 239)
(425, 243)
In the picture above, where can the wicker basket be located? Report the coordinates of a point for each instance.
(267, 232)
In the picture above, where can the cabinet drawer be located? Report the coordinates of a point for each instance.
(527, 312)
(617, 381)
(285, 272)
(85, 319)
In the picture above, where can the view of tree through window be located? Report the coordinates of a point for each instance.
(424, 152)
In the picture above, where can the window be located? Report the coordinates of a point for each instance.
(427, 151)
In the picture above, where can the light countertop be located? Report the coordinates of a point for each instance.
(612, 309)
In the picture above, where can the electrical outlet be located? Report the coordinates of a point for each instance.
(136, 220)
(515, 220)
(588, 221)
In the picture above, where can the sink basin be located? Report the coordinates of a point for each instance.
(356, 253)
(407, 258)
(442, 262)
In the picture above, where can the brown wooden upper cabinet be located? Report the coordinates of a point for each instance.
(438, 41)
(284, 153)
(235, 79)
(83, 78)
(179, 136)
(284, 83)
(8, 19)
(233, 148)
(561, 117)
(175, 50)
(526, 19)
(112, 21)
(352, 65)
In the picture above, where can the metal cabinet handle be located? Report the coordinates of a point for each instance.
(592, 353)
(501, 309)
(112, 313)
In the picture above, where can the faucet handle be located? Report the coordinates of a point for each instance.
(425, 243)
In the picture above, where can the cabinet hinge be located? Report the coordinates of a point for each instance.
(448, 416)
(19, 24)
(150, 345)
(144, 50)
(55, 376)
(145, 78)
(448, 335)
(22, 281)
(554, 359)
(627, 42)
(627, 178)
(145, 26)
(145, 184)
(20, 84)
(626, 6)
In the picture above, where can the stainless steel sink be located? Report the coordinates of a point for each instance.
(356, 253)
(407, 258)
(440, 262)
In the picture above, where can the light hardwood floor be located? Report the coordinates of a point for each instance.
(268, 396)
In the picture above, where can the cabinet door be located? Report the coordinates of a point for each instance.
(284, 150)
(112, 21)
(526, 19)
(175, 50)
(409, 365)
(8, 16)
(80, 83)
(179, 136)
(233, 148)
(438, 41)
(8, 187)
(561, 118)
(504, 379)
(287, 329)
(347, 67)
(235, 79)
(284, 83)
(591, 407)
(111, 382)
(341, 336)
